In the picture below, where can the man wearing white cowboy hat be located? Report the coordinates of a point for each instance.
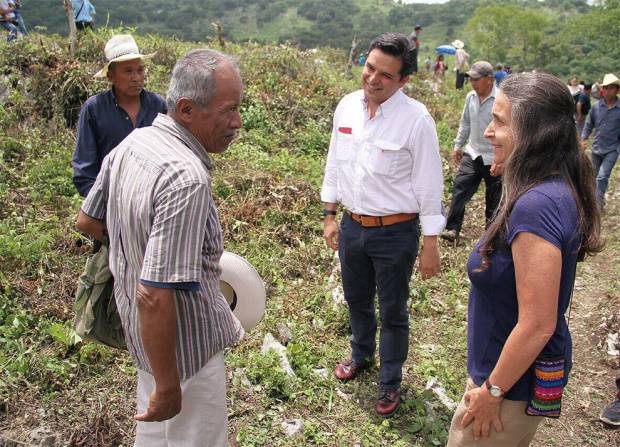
(153, 197)
(462, 63)
(605, 118)
(107, 118)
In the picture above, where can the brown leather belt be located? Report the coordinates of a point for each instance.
(382, 221)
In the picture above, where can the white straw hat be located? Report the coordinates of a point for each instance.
(243, 289)
(610, 79)
(121, 47)
(458, 44)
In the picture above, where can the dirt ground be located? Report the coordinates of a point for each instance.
(595, 314)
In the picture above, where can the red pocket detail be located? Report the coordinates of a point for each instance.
(346, 130)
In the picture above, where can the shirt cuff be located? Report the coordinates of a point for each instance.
(432, 225)
(191, 286)
(329, 194)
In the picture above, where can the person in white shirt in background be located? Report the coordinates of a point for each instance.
(462, 63)
(384, 167)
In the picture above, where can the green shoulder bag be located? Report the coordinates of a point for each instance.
(96, 316)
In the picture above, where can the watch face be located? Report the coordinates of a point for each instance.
(495, 391)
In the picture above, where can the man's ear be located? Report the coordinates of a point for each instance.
(185, 110)
(404, 80)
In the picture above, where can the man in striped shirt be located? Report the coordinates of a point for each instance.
(153, 200)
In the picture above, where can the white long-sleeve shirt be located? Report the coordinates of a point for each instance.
(386, 165)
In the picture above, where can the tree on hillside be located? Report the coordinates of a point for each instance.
(507, 33)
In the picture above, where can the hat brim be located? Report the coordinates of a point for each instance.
(125, 57)
(458, 44)
(616, 83)
(243, 289)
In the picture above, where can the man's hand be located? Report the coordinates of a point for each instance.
(457, 156)
(497, 169)
(430, 264)
(483, 410)
(163, 405)
(583, 143)
(331, 232)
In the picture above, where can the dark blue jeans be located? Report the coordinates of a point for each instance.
(379, 260)
(603, 165)
(470, 174)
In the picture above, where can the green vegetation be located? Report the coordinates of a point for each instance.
(267, 189)
(564, 37)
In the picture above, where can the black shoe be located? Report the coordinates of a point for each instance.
(450, 235)
(611, 414)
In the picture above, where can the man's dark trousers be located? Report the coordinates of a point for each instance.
(470, 174)
(379, 259)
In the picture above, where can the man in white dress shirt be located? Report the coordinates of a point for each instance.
(384, 167)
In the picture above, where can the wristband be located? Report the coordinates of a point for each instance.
(327, 212)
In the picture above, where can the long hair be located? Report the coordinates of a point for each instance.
(545, 145)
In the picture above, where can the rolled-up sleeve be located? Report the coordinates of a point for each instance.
(427, 176)
(590, 122)
(95, 203)
(329, 189)
(464, 128)
(85, 159)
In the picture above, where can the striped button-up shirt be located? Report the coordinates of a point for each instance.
(386, 165)
(154, 193)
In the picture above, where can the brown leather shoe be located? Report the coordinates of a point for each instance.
(388, 402)
(349, 369)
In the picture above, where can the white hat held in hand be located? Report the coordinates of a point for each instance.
(243, 289)
(119, 48)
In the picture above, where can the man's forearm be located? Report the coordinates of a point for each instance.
(158, 325)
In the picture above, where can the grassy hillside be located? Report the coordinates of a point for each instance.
(54, 391)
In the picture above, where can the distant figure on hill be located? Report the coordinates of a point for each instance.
(476, 161)
(17, 10)
(605, 118)
(384, 167)
(582, 106)
(414, 42)
(462, 63)
(500, 74)
(362, 59)
(107, 118)
(8, 20)
(439, 68)
(573, 86)
(428, 64)
(153, 199)
(84, 14)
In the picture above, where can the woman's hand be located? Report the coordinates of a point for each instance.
(483, 410)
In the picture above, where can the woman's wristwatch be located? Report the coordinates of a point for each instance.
(494, 390)
(327, 212)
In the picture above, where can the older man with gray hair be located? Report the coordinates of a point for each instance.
(153, 200)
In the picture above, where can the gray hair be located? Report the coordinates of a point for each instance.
(193, 77)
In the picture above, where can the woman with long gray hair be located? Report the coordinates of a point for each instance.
(523, 268)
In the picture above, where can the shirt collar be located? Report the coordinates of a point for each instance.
(604, 104)
(142, 96)
(491, 95)
(387, 107)
(171, 126)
